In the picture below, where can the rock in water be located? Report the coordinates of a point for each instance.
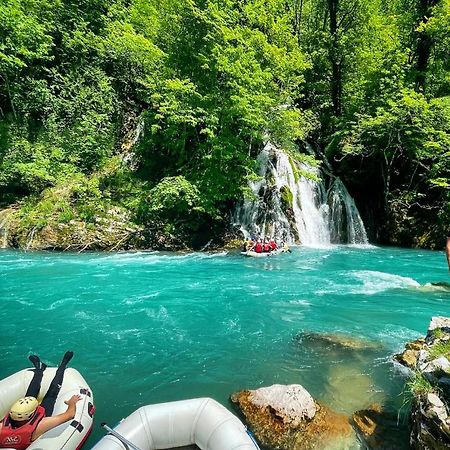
(287, 417)
(292, 403)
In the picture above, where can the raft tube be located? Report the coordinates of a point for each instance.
(253, 254)
(69, 435)
(200, 421)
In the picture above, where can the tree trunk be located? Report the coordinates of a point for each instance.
(298, 18)
(424, 43)
(336, 73)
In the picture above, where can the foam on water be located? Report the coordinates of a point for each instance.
(374, 281)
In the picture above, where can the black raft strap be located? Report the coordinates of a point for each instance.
(77, 425)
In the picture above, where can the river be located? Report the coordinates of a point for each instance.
(149, 327)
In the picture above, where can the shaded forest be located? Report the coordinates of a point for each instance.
(156, 109)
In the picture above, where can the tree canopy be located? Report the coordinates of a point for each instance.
(161, 106)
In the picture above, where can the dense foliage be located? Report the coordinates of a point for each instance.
(159, 107)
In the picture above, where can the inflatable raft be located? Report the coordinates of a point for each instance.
(200, 421)
(263, 254)
(67, 436)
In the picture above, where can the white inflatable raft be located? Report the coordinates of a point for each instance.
(200, 421)
(253, 254)
(67, 436)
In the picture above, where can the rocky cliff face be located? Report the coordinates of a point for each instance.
(429, 361)
(112, 231)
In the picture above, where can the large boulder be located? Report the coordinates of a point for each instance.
(287, 417)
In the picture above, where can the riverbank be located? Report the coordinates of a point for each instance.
(112, 230)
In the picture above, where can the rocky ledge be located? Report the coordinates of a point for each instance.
(111, 231)
(428, 359)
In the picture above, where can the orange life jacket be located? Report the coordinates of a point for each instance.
(20, 437)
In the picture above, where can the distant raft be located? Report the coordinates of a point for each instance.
(70, 435)
(254, 254)
(199, 421)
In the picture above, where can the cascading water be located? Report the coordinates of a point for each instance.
(296, 209)
(345, 222)
(4, 227)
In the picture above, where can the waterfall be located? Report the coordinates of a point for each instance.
(345, 222)
(4, 227)
(293, 208)
(30, 238)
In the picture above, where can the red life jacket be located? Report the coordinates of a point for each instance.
(266, 247)
(258, 247)
(273, 245)
(20, 437)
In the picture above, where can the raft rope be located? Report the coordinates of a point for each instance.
(252, 438)
(127, 444)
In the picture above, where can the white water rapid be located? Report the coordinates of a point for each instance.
(296, 209)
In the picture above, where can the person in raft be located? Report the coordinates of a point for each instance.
(266, 246)
(258, 246)
(248, 245)
(27, 420)
(273, 245)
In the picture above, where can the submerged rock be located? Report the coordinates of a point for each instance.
(287, 417)
(337, 340)
(349, 388)
(342, 362)
(379, 429)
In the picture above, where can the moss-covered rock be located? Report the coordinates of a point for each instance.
(111, 231)
(287, 198)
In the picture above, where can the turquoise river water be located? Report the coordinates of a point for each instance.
(151, 327)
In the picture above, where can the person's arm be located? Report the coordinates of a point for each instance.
(447, 252)
(47, 423)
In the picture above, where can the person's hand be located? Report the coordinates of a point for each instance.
(73, 400)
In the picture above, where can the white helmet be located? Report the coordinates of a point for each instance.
(23, 409)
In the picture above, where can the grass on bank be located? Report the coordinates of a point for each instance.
(439, 349)
(419, 386)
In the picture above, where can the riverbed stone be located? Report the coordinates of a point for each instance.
(338, 341)
(286, 417)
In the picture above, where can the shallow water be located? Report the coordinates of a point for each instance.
(152, 327)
